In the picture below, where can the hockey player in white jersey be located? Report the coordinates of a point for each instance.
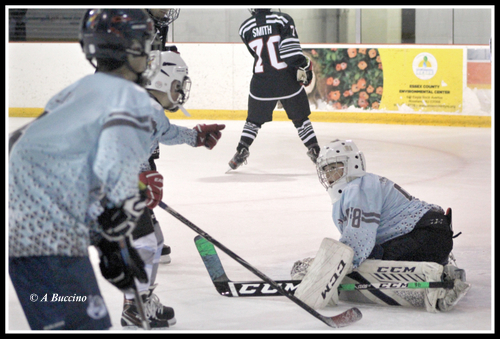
(169, 87)
(73, 173)
(381, 226)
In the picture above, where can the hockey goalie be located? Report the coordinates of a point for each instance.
(388, 238)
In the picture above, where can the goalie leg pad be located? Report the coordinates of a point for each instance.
(393, 273)
(332, 262)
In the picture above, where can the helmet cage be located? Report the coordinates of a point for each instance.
(170, 16)
(332, 170)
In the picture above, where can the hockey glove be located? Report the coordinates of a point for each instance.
(305, 73)
(208, 135)
(120, 266)
(154, 187)
(119, 222)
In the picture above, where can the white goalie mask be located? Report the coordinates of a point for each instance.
(170, 76)
(339, 163)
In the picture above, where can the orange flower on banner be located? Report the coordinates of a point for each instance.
(352, 52)
(334, 95)
(362, 103)
(362, 83)
(372, 53)
(362, 65)
(332, 82)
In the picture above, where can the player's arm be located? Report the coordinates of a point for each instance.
(200, 135)
(291, 53)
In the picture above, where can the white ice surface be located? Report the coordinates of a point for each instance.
(273, 211)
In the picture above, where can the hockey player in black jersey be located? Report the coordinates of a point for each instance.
(280, 72)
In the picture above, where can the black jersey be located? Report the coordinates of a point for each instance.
(271, 38)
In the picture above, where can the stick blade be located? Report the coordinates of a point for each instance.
(210, 258)
(346, 318)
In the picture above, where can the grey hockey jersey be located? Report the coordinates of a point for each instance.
(91, 140)
(373, 210)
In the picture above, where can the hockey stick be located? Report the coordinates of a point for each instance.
(138, 299)
(122, 243)
(229, 288)
(343, 319)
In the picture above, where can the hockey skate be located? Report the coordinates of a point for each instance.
(459, 290)
(165, 255)
(313, 153)
(158, 316)
(238, 159)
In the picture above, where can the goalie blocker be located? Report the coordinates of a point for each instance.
(332, 262)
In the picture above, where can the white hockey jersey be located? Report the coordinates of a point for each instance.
(373, 210)
(91, 141)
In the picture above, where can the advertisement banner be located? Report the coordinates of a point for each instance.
(423, 79)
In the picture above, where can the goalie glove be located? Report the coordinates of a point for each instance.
(208, 135)
(153, 182)
(305, 73)
(119, 268)
(119, 222)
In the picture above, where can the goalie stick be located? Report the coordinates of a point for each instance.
(229, 288)
(343, 319)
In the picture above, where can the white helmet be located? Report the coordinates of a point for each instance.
(338, 163)
(168, 68)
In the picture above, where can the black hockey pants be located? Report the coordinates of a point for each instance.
(431, 240)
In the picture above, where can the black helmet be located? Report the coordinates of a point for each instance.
(114, 33)
(254, 11)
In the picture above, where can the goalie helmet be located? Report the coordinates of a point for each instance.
(170, 74)
(115, 33)
(339, 163)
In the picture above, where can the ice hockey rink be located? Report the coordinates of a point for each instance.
(273, 211)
